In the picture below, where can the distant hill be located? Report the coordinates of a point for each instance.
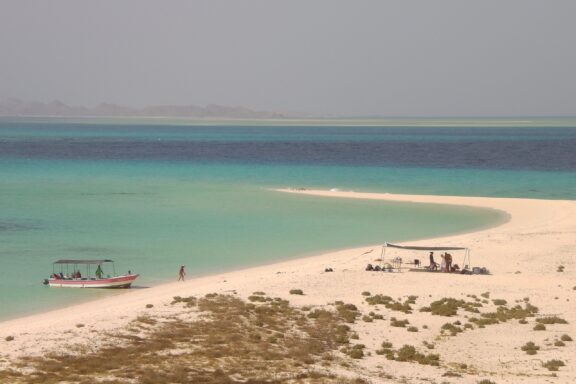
(15, 107)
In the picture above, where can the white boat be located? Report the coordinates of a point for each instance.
(70, 276)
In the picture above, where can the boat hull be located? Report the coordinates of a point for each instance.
(112, 282)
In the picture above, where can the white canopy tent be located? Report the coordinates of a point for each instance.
(465, 261)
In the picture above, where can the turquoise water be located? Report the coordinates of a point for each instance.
(152, 224)
(153, 198)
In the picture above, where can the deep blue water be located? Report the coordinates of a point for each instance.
(481, 148)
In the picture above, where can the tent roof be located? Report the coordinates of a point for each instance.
(415, 248)
(72, 261)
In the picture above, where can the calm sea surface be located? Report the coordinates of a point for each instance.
(153, 196)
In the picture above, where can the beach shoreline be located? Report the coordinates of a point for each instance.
(522, 253)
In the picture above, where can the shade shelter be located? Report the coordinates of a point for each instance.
(73, 264)
(397, 262)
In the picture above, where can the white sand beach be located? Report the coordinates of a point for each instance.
(523, 255)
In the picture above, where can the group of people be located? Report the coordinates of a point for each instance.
(445, 263)
(61, 276)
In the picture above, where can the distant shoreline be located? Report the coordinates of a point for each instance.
(449, 122)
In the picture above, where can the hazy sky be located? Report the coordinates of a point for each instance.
(386, 58)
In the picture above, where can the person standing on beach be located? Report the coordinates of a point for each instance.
(181, 273)
(433, 265)
(448, 258)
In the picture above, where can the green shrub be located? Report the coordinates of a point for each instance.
(453, 329)
(499, 302)
(398, 323)
(149, 305)
(390, 303)
(539, 327)
(449, 307)
(553, 365)
(348, 312)
(408, 354)
(9, 338)
(559, 343)
(530, 348)
(412, 329)
(551, 320)
(366, 293)
(565, 337)
(356, 351)
(296, 292)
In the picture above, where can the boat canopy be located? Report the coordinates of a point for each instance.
(89, 262)
(415, 248)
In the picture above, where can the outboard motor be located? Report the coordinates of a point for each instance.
(45, 282)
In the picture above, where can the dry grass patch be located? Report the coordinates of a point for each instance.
(392, 304)
(448, 306)
(233, 341)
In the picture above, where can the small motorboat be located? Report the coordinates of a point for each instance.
(94, 276)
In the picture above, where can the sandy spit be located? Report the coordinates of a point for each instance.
(523, 254)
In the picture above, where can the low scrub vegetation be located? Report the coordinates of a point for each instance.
(408, 353)
(553, 365)
(394, 322)
(551, 320)
(530, 348)
(565, 337)
(230, 340)
(449, 307)
(392, 304)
